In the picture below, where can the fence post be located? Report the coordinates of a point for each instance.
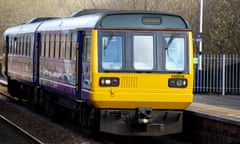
(223, 74)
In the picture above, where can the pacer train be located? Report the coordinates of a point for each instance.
(120, 72)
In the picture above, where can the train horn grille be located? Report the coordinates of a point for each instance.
(128, 82)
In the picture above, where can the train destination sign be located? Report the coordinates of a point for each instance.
(151, 20)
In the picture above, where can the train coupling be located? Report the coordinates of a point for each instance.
(142, 118)
(144, 115)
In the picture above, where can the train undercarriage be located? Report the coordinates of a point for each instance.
(135, 122)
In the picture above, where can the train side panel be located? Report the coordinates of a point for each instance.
(58, 75)
(20, 68)
(58, 63)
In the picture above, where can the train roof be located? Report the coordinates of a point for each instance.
(117, 19)
(107, 19)
(41, 19)
(30, 26)
(21, 29)
(82, 12)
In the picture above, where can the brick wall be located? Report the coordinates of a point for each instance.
(201, 130)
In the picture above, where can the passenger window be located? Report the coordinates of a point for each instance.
(68, 46)
(74, 46)
(15, 45)
(63, 45)
(19, 45)
(30, 44)
(86, 48)
(23, 45)
(57, 46)
(47, 48)
(26, 45)
(52, 45)
(10, 51)
(43, 45)
(143, 52)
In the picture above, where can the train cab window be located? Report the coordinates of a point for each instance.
(143, 52)
(112, 47)
(174, 53)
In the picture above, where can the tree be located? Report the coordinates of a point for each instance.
(222, 27)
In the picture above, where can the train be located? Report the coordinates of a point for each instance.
(124, 72)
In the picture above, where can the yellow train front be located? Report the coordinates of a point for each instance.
(138, 73)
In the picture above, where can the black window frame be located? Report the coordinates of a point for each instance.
(111, 33)
(159, 57)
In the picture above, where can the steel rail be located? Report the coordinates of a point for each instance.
(26, 136)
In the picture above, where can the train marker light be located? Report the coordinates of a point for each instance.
(109, 81)
(177, 82)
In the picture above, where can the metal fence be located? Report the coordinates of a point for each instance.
(220, 74)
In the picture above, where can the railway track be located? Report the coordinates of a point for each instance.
(38, 125)
(78, 134)
(11, 133)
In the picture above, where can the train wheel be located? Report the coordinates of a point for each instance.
(79, 117)
(49, 106)
(10, 87)
(13, 88)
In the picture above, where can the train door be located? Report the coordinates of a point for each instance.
(86, 65)
(83, 64)
(79, 50)
(5, 56)
(36, 58)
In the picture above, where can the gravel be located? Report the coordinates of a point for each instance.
(39, 126)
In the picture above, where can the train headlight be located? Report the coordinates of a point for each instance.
(109, 81)
(177, 82)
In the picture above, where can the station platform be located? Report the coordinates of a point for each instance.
(223, 108)
(213, 119)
